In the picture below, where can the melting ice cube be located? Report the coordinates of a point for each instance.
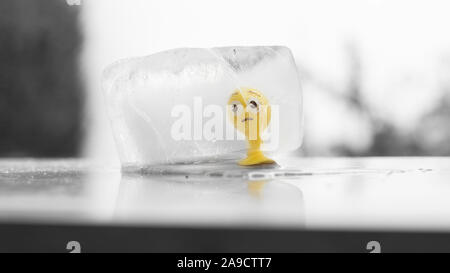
(173, 106)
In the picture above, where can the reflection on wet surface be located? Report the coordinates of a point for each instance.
(215, 202)
(395, 193)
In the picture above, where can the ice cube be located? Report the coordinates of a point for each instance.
(171, 107)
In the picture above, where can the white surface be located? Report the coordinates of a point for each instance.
(370, 193)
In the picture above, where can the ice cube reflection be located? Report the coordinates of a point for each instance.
(183, 200)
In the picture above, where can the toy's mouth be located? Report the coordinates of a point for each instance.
(245, 119)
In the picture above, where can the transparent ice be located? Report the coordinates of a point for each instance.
(142, 92)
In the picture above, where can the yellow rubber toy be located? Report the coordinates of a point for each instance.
(250, 112)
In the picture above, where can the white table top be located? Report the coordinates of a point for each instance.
(306, 193)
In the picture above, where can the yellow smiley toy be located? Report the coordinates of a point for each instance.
(249, 110)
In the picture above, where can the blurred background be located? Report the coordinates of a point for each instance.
(375, 73)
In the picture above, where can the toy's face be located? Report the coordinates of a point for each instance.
(249, 110)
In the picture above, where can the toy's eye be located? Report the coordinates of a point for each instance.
(236, 108)
(253, 105)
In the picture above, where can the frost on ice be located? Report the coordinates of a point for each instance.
(170, 107)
